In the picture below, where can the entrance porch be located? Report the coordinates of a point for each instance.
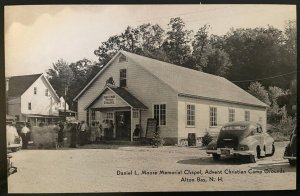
(118, 113)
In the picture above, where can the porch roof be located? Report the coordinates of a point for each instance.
(131, 100)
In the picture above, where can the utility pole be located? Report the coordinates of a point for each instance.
(66, 89)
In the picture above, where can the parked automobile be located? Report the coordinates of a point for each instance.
(242, 139)
(13, 139)
(290, 152)
(10, 167)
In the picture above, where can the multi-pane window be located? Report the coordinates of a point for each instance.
(160, 111)
(29, 105)
(190, 115)
(122, 77)
(35, 90)
(212, 116)
(247, 115)
(110, 115)
(231, 114)
(135, 114)
(46, 92)
(260, 119)
(93, 117)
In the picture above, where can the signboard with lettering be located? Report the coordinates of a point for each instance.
(151, 127)
(109, 99)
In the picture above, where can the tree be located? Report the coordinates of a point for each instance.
(255, 53)
(60, 76)
(201, 48)
(257, 90)
(177, 43)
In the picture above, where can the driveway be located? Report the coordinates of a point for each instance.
(103, 168)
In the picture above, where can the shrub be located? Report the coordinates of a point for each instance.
(156, 139)
(45, 136)
(207, 138)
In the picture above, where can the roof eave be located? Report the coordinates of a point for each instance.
(222, 100)
(96, 76)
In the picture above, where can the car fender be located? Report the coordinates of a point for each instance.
(250, 142)
(268, 142)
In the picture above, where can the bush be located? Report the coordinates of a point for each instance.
(44, 137)
(207, 138)
(156, 139)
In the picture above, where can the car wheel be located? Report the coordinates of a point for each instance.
(258, 155)
(287, 151)
(216, 157)
(14, 149)
(273, 150)
(292, 162)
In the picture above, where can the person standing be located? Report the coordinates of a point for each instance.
(25, 131)
(60, 135)
(82, 134)
(97, 132)
(73, 130)
(93, 133)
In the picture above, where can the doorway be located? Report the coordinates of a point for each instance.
(123, 125)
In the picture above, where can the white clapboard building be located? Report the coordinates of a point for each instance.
(31, 98)
(181, 99)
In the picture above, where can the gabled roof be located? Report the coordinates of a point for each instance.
(188, 82)
(19, 84)
(191, 82)
(123, 94)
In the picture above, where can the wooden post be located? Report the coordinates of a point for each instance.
(131, 127)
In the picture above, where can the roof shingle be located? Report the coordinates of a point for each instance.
(191, 82)
(19, 84)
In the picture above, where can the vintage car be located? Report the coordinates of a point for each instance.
(14, 141)
(290, 152)
(243, 139)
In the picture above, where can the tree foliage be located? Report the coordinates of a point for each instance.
(242, 54)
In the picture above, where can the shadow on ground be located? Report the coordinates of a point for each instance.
(210, 161)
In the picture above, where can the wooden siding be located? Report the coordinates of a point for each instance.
(119, 101)
(144, 86)
(202, 115)
(14, 106)
(40, 104)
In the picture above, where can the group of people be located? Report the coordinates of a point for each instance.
(82, 133)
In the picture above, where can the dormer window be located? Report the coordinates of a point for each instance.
(34, 90)
(123, 78)
(122, 58)
(46, 92)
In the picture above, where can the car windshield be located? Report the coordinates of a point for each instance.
(234, 127)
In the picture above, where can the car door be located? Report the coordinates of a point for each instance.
(258, 135)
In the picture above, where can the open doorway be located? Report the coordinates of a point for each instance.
(123, 125)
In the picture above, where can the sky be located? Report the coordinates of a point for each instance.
(36, 36)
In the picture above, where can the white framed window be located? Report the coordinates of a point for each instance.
(212, 116)
(46, 92)
(135, 114)
(93, 117)
(160, 113)
(35, 90)
(247, 115)
(123, 81)
(260, 119)
(190, 115)
(110, 115)
(29, 105)
(231, 115)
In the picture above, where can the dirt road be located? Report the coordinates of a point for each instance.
(144, 169)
